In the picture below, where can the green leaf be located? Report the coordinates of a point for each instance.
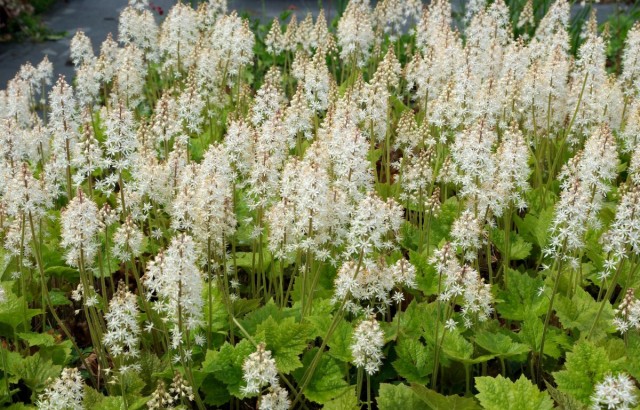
(519, 249)
(59, 353)
(245, 306)
(531, 335)
(226, 364)
(110, 403)
(34, 371)
(393, 397)
(243, 213)
(415, 360)
(535, 228)
(426, 276)
(20, 406)
(580, 312)
(499, 344)
(5, 395)
(256, 316)
(563, 400)
(374, 155)
(616, 350)
(327, 381)
(37, 339)
(151, 365)
(633, 350)
(55, 36)
(63, 272)
(215, 393)
(219, 313)
(437, 401)
(412, 321)
(347, 401)
(91, 397)
(340, 342)
(503, 394)
(13, 361)
(520, 297)
(286, 339)
(247, 261)
(59, 298)
(456, 346)
(137, 403)
(441, 226)
(586, 365)
(5, 261)
(14, 312)
(130, 385)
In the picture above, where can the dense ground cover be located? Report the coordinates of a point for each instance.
(390, 213)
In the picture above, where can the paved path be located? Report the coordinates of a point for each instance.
(99, 17)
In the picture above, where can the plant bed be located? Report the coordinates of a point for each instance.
(387, 212)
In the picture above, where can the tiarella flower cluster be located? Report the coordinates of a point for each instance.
(127, 241)
(371, 284)
(178, 37)
(260, 373)
(466, 233)
(80, 225)
(175, 279)
(87, 155)
(628, 313)
(24, 194)
(366, 345)
(376, 94)
(417, 177)
(374, 225)
(122, 338)
(355, 32)
(65, 392)
(463, 286)
(615, 392)
(585, 180)
(303, 218)
(214, 217)
(623, 236)
(472, 153)
(276, 398)
(180, 389)
(394, 15)
(160, 398)
(259, 370)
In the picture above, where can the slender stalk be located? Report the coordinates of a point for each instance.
(3, 355)
(552, 171)
(306, 378)
(210, 296)
(559, 263)
(607, 298)
(359, 383)
(368, 391)
(45, 290)
(507, 241)
(467, 373)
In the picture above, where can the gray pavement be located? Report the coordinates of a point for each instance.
(97, 18)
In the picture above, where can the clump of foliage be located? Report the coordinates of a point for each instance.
(398, 213)
(20, 19)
